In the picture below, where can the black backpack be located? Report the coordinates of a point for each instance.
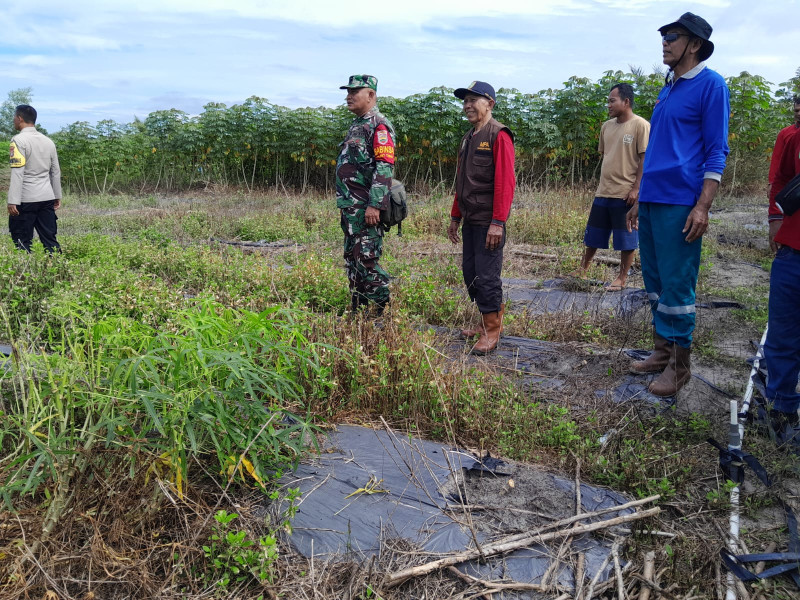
(397, 210)
(789, 198)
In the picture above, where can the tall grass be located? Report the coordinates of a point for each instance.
(222, 384)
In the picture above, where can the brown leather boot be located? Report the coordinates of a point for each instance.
(658, 359)
(490, 335)
(471, 333)
(676, 374)
(502, 312)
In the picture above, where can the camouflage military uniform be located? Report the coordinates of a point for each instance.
(363, 178)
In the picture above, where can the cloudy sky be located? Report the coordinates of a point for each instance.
(109, 59)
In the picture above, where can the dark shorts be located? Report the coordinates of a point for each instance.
(607, 217)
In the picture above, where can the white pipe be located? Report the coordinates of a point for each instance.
(734, 443)
(735, 437)
(748, 393)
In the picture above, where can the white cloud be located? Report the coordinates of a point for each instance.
(517, 47)
(342, 15)
(81, 42)
(67, 107)
(762, 60)
(323, 12)
(639, 5)
(29, 34)
(38, 60)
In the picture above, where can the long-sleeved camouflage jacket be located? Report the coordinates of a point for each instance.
(366, 163)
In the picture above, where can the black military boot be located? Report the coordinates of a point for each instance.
(379, 307)
(357, 301)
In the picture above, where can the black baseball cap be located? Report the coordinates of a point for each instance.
(696, 26)
(480, 88)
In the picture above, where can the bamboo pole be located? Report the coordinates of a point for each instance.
(570, 520)
(536, 537)
(649, 571)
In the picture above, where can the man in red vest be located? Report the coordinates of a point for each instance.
(485, 183)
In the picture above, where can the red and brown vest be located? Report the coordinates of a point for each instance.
(475, 173)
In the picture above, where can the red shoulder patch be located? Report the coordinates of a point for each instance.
(383, 145)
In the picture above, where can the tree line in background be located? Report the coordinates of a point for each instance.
(257, 144)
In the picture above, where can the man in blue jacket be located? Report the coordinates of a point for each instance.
(682, 170)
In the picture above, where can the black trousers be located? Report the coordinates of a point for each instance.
(482, 267)
(40, 216)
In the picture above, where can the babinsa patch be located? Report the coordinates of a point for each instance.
(15, 157)
(383, 146)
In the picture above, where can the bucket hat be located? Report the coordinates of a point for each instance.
(697, 26)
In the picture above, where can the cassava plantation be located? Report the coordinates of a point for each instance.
(257, 144)
(192, 344)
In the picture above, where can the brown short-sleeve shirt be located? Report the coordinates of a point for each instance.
(621, 144)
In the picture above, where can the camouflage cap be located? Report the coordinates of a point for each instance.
(361, 81)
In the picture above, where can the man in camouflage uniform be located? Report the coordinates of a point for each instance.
(363, 182)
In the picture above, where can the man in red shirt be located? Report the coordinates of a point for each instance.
(774, 165)
(782, 348)
(485, 183)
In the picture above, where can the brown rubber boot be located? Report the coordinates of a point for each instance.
(676, 374)
(658, 359)
(502, 312)
(490, 335)
(471, 333)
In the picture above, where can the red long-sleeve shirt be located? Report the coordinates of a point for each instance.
(777, 156)
(504, 180)
(789, 166)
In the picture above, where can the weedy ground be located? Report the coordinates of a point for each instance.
(146, 357)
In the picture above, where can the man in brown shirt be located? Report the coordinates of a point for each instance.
(34, 193)
(623, 141)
